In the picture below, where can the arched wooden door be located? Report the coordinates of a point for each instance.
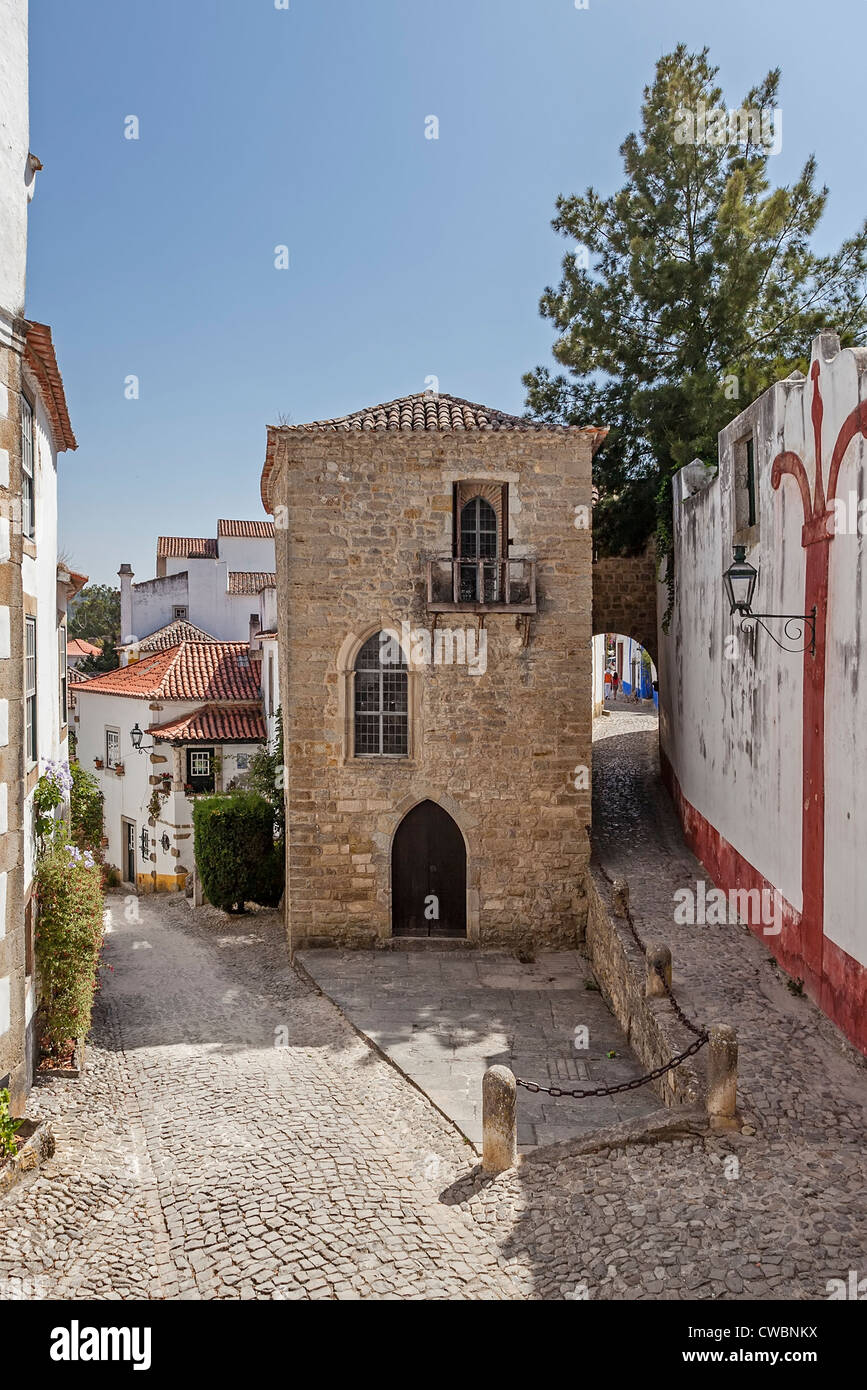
(428, 875)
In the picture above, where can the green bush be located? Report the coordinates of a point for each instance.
(68, 940)
(8, 1127)
(85, 811)
(236, 855)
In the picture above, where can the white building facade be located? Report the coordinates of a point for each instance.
(34, 429)
(195, 712)
(212, 582)
(764, 746)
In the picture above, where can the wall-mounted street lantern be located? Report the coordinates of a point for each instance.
(740, 584)
(166, 843)
(137, 734)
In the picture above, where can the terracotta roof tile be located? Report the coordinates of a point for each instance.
(251, 530)
(189, 671)
(169, 636)
(424, 411)
(76, 646)
(40, 358)
(215, 724)
(186, 548)
(251, 581)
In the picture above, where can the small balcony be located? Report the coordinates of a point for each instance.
(457, 585)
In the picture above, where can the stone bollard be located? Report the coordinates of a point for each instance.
(499, 1122)
(620, 891)
(658, 964)
(722, 1076)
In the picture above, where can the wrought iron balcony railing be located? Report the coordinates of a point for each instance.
(458, 585)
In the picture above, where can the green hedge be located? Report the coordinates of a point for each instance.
(69, 931)
(236, 855)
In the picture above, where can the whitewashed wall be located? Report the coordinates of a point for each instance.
(39, 581)
(16, 178)
(247, 553)
(731, 722)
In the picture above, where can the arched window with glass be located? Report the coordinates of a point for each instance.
(479, 552)
(381, 699)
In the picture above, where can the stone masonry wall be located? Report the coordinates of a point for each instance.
(653, 1032)
(624, 597)
(357, 515)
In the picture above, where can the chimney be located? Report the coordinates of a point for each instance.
(125, 576)
(255, 629)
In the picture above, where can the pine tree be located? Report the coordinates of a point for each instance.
(693, 288)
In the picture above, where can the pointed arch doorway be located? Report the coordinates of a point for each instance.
(428, 874)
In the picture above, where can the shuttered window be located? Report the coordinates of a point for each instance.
(28, 489)
(30, 732)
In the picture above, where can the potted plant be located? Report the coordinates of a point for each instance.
(119, 769)
(188, 789)
(98, 764)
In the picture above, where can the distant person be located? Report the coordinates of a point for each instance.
(615, 684)
(607, 684)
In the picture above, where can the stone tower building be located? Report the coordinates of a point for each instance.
(434, 599)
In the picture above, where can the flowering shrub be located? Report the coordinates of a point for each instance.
(85, 810)
(52, 789)
(68, 886)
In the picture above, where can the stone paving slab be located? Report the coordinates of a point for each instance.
(444, 1018)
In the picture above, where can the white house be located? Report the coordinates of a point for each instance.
(213, 583)
(178, 721)
(34, 430)
(763, 719)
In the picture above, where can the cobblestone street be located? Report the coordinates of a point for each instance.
(234, 1137)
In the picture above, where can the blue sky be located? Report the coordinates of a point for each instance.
(408, 257)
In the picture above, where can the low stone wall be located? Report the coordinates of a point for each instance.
(37, 1146)
(654, 1032)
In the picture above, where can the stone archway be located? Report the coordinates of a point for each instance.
(624, 598)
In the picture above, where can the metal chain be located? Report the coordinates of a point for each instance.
(622, 1085)
(701, 1037)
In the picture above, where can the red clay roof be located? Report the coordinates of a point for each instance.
(186, 547)
(215, 724)
(189, 671)
(424, 411)
(76, 646)
(251, 581)
(40, 358)
(169, 636)
(251, 530)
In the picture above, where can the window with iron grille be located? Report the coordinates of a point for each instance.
(112, 747)
(28, 490)
(62, 673)
(30, 739)
(381, 699)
